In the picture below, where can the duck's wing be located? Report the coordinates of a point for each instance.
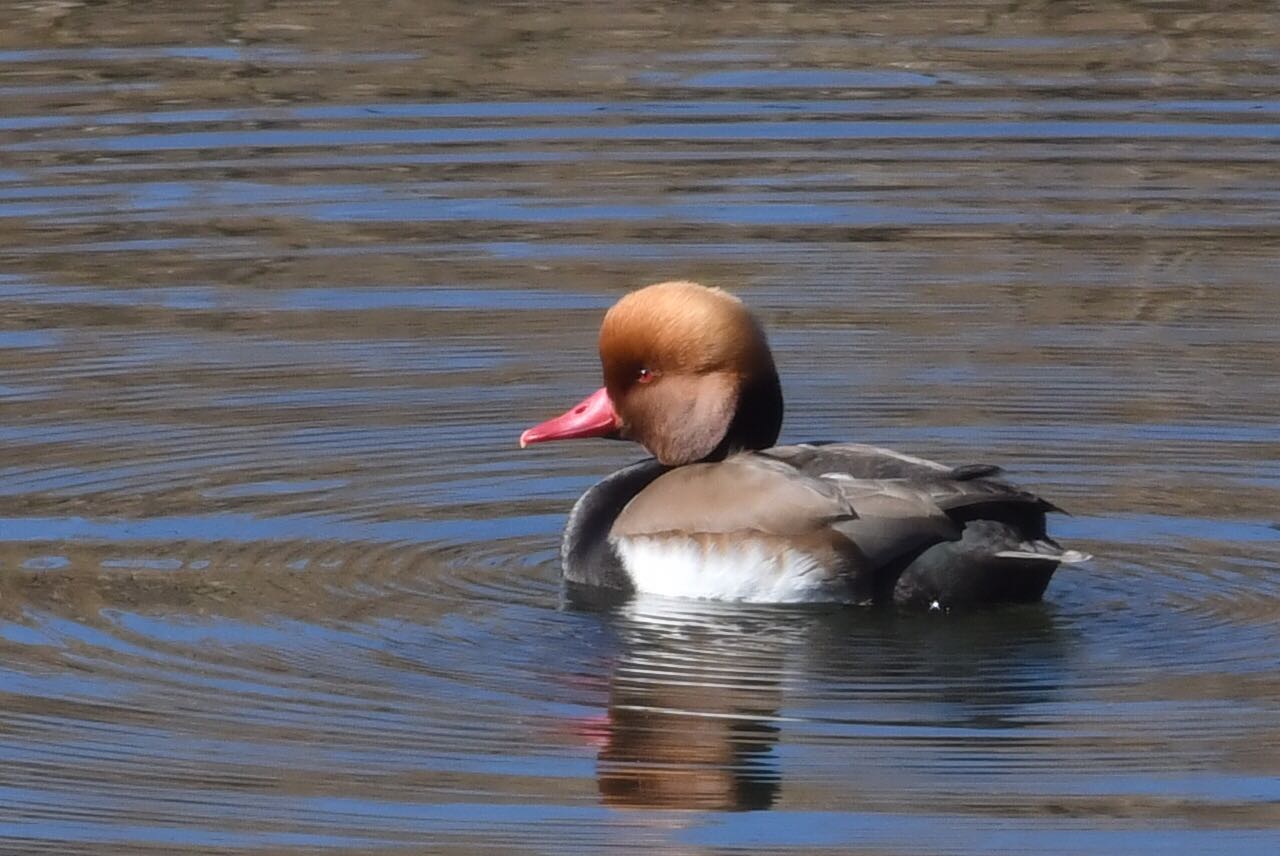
(873, 521)
(893, 518)
(861, 461)
(964, 493)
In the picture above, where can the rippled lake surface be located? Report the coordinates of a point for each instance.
(280, 284)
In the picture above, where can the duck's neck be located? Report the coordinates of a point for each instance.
(758, 419)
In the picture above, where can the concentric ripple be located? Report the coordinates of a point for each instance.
(280, 285)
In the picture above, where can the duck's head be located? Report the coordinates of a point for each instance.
(687, 374)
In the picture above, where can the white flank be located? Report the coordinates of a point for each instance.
(746, 571)
(1066, 557)
(911, 459)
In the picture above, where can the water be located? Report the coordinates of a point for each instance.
(280, 284)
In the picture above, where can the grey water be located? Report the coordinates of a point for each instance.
(281, 283)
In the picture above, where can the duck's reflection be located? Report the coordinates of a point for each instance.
(696, 696)
(693, 704)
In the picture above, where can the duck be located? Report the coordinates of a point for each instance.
(719, 512)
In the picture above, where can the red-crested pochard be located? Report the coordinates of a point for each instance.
(719, 512)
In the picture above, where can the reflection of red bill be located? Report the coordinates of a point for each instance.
(593, 730)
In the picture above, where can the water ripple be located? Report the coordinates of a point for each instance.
(275, 306)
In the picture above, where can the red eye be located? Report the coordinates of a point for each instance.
(644, 376)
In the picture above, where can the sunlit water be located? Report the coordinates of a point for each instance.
(281, 283)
